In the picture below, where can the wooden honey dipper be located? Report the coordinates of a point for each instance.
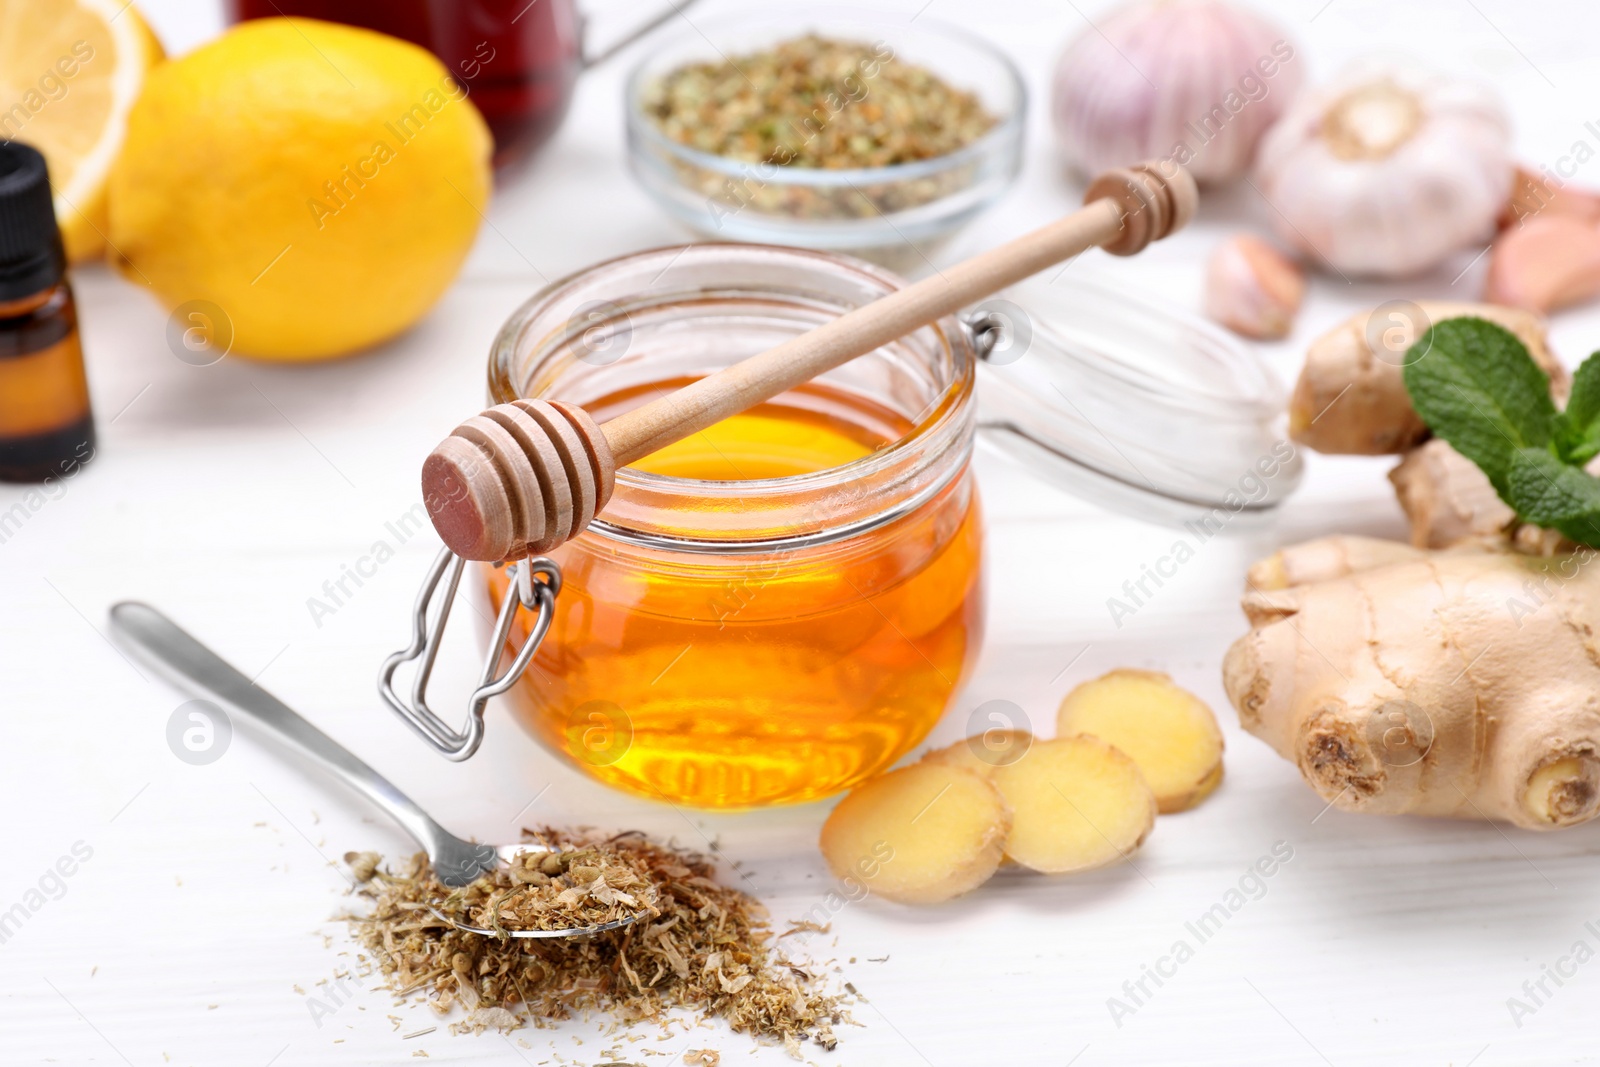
(525, 477)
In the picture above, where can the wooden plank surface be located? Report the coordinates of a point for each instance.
(198, 930)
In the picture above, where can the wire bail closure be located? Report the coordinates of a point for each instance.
(523, 592)
(985, 329)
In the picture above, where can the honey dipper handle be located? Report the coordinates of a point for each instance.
(1125, 210)
(527, 476)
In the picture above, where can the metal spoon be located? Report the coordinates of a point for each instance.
(190, 666)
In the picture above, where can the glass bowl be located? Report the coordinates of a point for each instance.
(897, 216)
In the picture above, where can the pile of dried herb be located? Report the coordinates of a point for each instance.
(701, 946)
(816, 102)
(572, 888)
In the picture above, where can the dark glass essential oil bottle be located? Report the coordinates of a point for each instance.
(46, 428)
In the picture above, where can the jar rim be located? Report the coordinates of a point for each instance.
(513, 360)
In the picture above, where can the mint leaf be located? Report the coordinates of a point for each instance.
(1578, 431)
(1584, 404)
(1475, 385)
(1548, 492)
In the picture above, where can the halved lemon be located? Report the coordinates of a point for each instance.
(69, 72)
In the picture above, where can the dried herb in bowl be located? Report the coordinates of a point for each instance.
(816, 102)
(704, 947)
(825, 142)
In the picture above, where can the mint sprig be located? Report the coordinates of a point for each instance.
(1475, 385)
(1578, 430)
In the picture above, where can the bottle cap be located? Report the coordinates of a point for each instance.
(31, 256)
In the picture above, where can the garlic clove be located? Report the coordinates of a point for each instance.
(1549, 261)
(1544, 194)
(1253, 289)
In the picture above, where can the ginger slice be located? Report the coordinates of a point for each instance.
(921, 834)
(1168, 731)
(984, 752)
(1076, 803)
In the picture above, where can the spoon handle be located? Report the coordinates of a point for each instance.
(194, 668)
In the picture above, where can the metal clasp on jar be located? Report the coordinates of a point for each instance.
(523, 592)
(1000, 331)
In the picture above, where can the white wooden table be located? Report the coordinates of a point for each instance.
(198, 929)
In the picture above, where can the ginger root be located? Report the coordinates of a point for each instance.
(1449, 502)
(921, 834)
(1458, 683)
(1351, 399)
(1325, 559)
(1447, 499)
(1168, 731)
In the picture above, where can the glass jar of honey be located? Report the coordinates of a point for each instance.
(776, 608)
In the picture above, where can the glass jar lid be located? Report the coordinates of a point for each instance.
(1132, 404)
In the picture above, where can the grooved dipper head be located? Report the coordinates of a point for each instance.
(1157, 199)
(517, 480)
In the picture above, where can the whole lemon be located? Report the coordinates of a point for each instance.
(319, 184)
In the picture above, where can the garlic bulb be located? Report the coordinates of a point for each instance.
(1387, 171)
(1194, 81)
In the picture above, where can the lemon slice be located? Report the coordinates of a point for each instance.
(69, 72)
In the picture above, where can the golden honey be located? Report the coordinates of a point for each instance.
(722, 679)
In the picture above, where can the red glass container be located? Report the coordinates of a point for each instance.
(517, 59)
